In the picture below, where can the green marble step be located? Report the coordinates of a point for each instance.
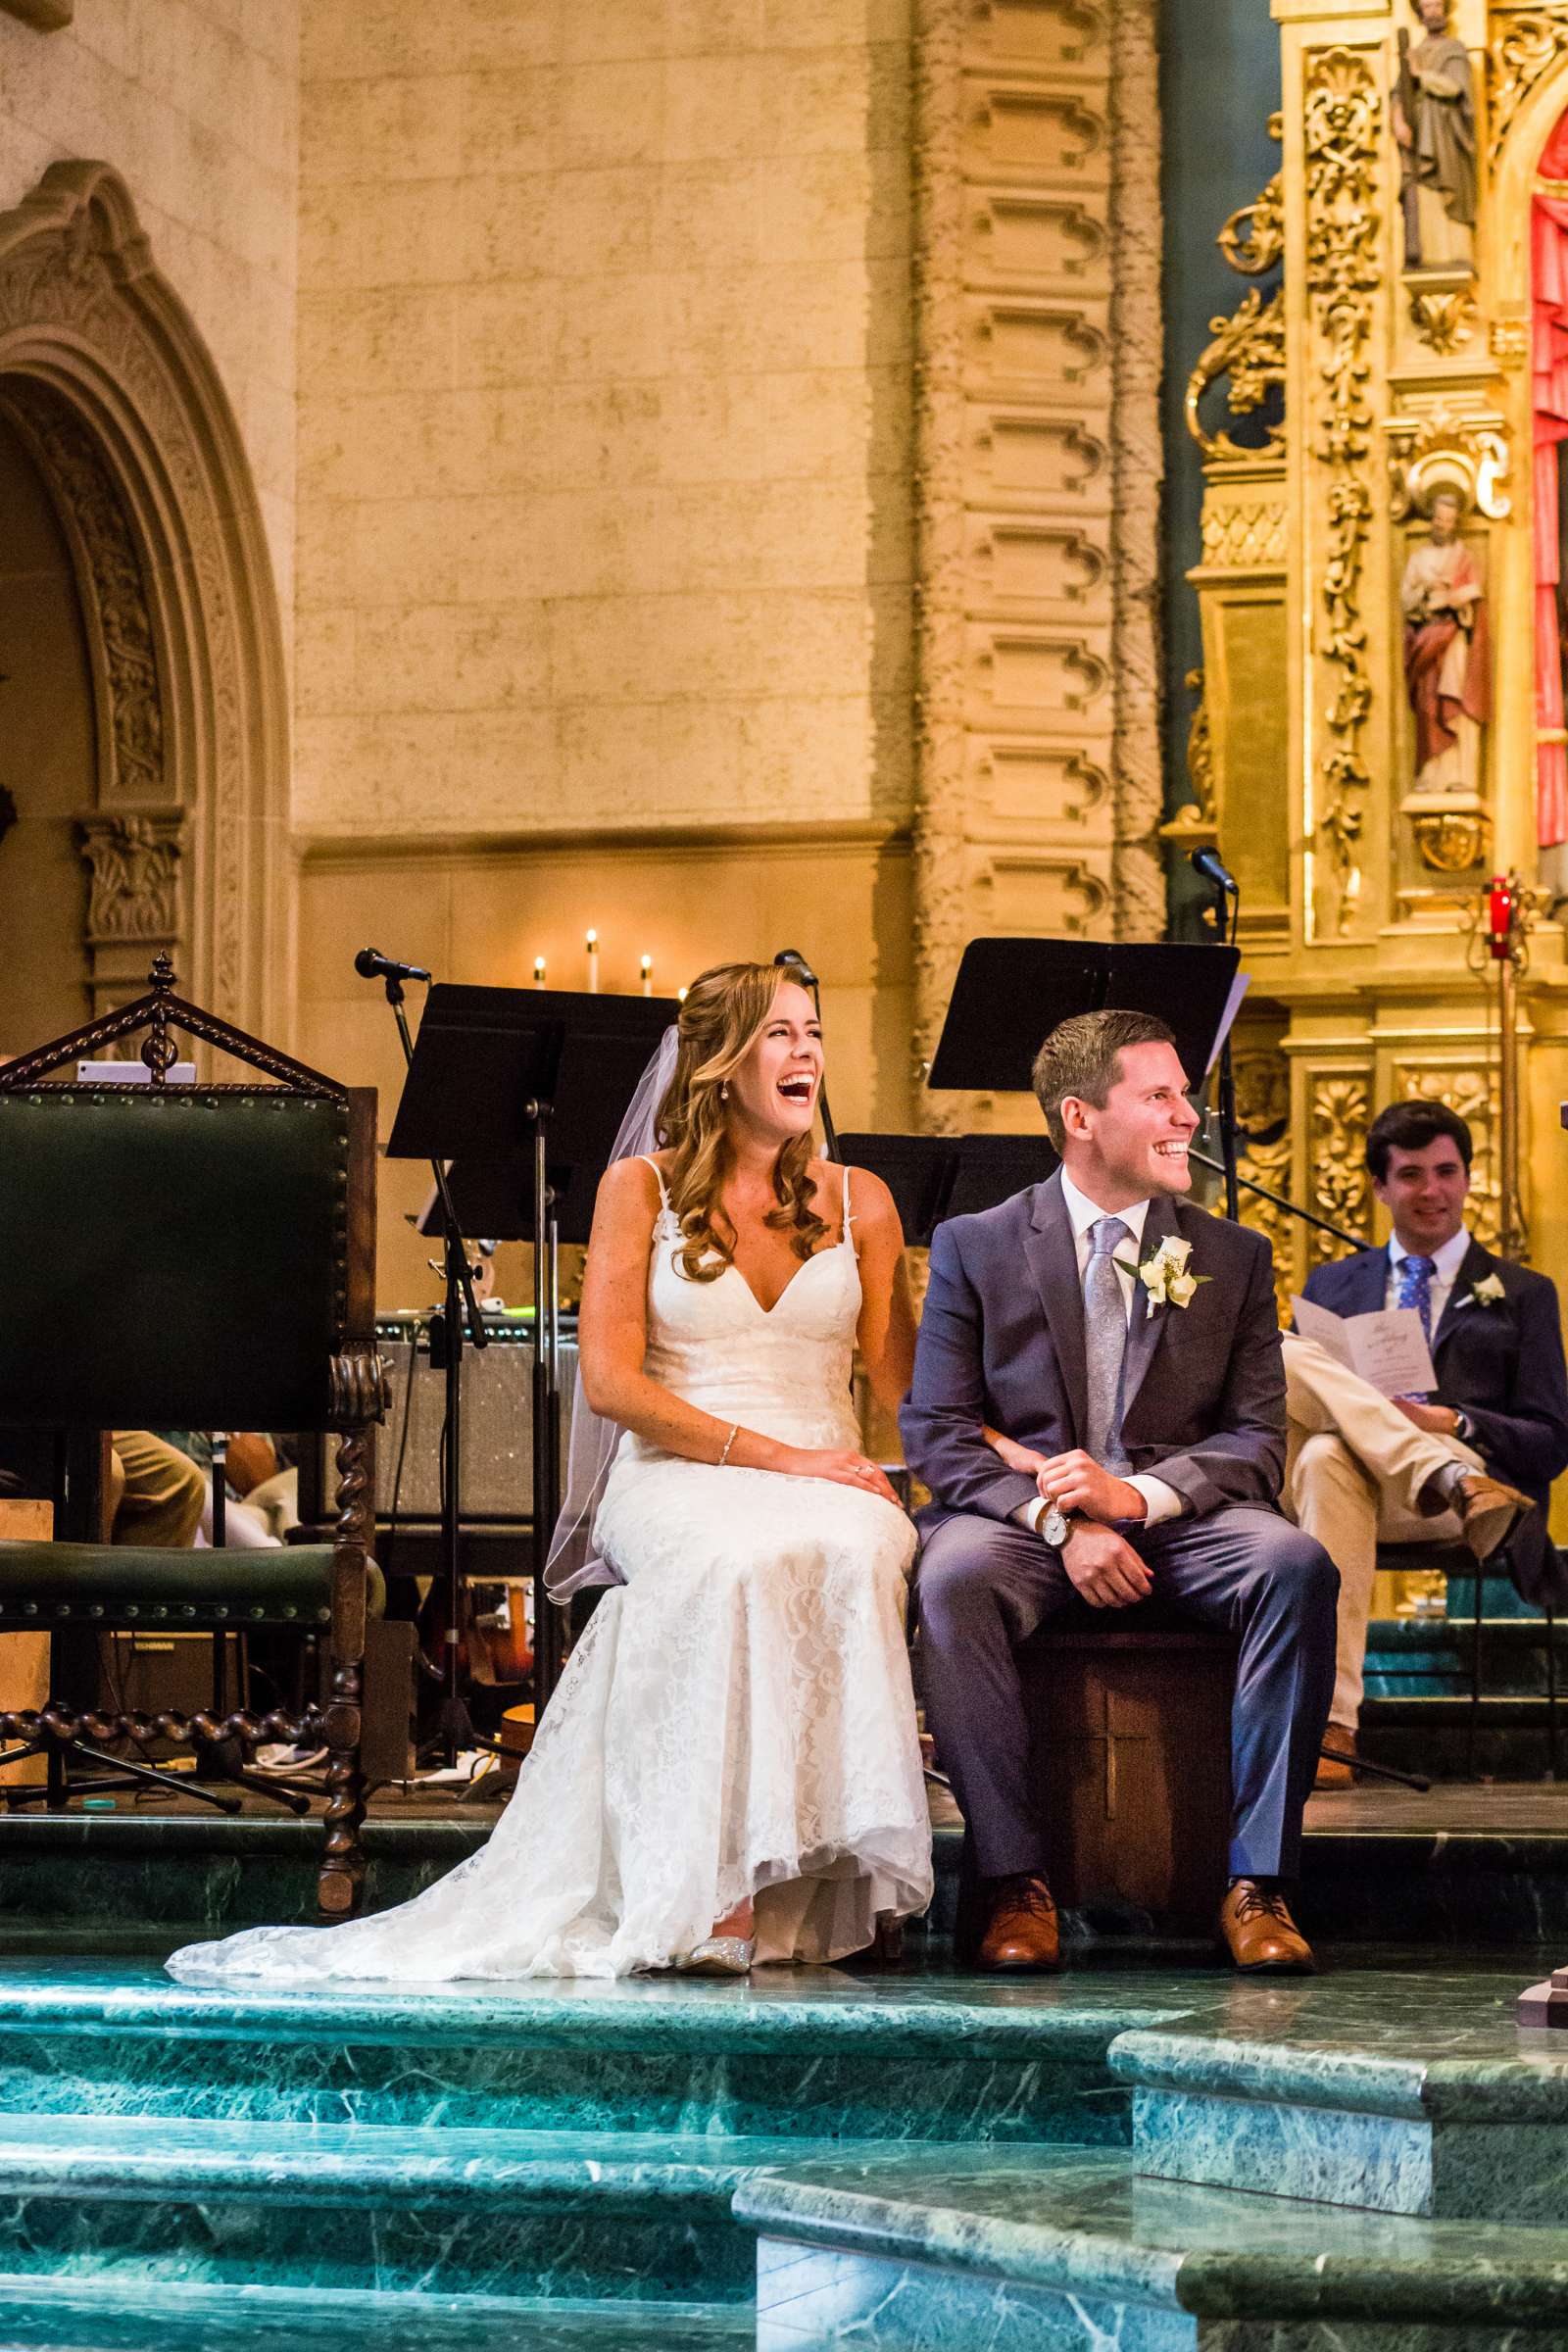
(1430, 1732)
(133, 1870)
(69, 2315)
(1447, 1890)
(1059, 2250)
(817, 2053)
(637, 2215)
(1404, 2091)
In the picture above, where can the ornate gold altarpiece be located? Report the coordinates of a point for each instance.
(1359, 889)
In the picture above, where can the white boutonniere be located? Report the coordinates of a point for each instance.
(1164, 1276)
(1489, 1290)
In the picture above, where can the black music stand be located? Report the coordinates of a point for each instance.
(514, 1087)
(935, 1177)
(1010, 994)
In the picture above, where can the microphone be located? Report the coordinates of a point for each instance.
(1207, 863)
(793, 956)
(371, 964)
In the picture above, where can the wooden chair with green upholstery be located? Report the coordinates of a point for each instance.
(194, 1256)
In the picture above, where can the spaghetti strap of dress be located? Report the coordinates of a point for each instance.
(659, 1177)
(845, 1207)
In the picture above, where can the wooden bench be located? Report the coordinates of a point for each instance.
(1131, 1760)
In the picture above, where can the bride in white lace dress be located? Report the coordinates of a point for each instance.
(730, 1769)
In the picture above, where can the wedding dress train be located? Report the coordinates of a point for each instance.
(737, 1719)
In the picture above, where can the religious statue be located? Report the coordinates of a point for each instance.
(1433, 115)
(1446, 658)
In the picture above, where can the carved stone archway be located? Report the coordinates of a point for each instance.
(104, 376)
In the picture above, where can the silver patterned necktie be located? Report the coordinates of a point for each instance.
(1105, 1343)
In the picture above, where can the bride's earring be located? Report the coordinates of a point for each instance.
(723, 1092)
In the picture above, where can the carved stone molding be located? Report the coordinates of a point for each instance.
(1450, 841)
(1339, 1114)
(1248, 352)
(193, 664)
(1038, 466)
(1245, 537)
(1262, 1078)
(1444, 319)
(1452, 449)
(1525, 43)
(1197, 822)
(1139, 362)
(133, 861)
(1344, 130)
(112, 586)
(1473, 1093)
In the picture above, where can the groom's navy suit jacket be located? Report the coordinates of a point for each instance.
(1502, 1364)
(1001, 1341)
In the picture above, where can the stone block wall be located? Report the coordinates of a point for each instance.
(604, 427)
(195, 103)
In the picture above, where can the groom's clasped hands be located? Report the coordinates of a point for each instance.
(1102, 1564)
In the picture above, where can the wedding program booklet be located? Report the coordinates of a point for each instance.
(1388, 1348)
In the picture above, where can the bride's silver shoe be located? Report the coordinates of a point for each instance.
(719, 1956)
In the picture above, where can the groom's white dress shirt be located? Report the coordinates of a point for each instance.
(1160, 1501)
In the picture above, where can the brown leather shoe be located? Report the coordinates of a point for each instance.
(1336, 1765)
(1490, 1512)
(1023, 1933)
(1262, 1938)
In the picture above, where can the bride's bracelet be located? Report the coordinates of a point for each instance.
(734, 1432)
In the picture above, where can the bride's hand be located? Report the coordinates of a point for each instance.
(843, 1467)
(1023, 1458)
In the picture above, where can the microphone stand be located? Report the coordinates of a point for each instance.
(1228, 903)
(461, 1311)
(796, 962)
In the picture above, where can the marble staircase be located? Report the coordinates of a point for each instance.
(921, 2162)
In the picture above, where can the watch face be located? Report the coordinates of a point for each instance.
(1053, 1527)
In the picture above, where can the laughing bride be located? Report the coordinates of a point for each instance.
(728, 1772)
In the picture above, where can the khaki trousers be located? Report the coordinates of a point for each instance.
(155, 1492)
(1356, 1474)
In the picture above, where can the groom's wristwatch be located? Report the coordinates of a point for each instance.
(1055, 1526)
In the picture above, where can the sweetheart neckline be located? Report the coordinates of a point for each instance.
(768, 1312)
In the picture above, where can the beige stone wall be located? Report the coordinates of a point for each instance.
(604, 421)
(195, 102)
(482, 915)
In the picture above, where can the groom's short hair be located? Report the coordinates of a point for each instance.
(1080, 1058)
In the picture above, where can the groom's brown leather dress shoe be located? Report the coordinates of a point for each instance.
(1023, 1933)
(1262, 1938)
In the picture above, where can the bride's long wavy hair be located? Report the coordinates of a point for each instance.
(725, 1011)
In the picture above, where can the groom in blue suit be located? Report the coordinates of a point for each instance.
(1098, 1409)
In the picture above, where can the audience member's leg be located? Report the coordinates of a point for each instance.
(1331, 1495)
(983, 1588)
(164, 1492)
(1323, 1395)
(1275, 1586)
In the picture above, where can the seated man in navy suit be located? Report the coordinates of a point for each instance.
(1473, 1463)
(1098, 1409)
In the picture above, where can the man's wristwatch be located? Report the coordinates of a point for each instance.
(1463, 1427)
(1055, 1526)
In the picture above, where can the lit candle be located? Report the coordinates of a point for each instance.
(591, 943)
(647, 968)
(538, 971)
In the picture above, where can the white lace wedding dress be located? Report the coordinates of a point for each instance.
(737, 1719)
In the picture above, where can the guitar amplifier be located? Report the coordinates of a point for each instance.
(497, 1420)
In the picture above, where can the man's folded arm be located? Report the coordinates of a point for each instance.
(1244, 1461)
(942, 1417)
